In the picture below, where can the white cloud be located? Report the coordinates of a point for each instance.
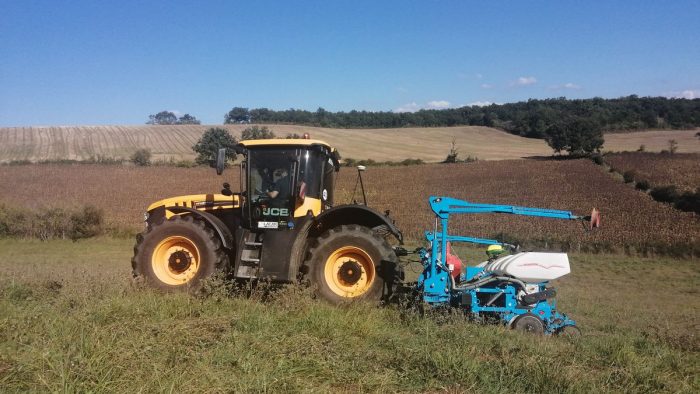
(402, 89)
(479, 76)
(441, 104)
(410, 107)
(413, 107)
(686, 94)
(525, 81)
(486, 86)
(479, 104)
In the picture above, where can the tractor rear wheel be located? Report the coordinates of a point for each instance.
(177, 254)
(351, 262)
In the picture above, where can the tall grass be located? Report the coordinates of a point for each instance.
(73, 321)
(53, 223)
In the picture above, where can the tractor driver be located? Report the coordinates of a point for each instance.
(278, 190)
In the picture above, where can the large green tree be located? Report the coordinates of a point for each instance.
(168, 118)
(162, 118)
(575, 135)
(212, 140)
(237, 115)
(188, 119)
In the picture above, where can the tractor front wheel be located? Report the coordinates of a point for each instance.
(351, 262)
(177, 254)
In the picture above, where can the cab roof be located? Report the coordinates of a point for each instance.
(334, 155)
(284, 142)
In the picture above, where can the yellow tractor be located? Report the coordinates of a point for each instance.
(282, 226)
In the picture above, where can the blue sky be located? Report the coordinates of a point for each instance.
(116, 62)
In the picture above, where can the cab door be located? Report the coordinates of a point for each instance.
(271, 182)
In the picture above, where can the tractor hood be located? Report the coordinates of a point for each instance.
(204, 202)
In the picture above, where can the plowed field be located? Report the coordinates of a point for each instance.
(630, 218)
(681, 169)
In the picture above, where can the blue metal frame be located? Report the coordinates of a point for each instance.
(437, 286)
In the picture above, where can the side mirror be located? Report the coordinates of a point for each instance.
(220, 161)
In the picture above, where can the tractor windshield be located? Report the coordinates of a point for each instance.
(271, 174)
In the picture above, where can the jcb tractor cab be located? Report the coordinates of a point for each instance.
(283, 226)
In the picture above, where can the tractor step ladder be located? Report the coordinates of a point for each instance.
(250, 256)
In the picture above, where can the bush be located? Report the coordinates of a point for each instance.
(142, 157)
(51, 223)
(257, 133)
(672, 146)
(629, 176)
(411, 162)
(667, 194)
(689, 202)
(642, 185)
(452, 156)
(598, 159)
(86, 223)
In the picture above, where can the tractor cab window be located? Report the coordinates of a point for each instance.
(310, 171)
(270, 177)
(316, 175)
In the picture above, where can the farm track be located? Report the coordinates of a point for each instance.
(429, 144)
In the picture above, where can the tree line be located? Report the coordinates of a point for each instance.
(529, 118)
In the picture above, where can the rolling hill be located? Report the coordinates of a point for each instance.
(429, 144)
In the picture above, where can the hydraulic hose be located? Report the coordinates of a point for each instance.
(481, 282)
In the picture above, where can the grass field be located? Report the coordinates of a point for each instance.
(428, 144)
(72, 321)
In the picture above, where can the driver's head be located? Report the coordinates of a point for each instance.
(279, 174)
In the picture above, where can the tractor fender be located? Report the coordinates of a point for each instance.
(217, 224)
(355, 214)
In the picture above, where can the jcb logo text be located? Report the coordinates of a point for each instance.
(276, 212)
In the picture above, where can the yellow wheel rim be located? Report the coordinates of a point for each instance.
(349, 271)
(175, 260)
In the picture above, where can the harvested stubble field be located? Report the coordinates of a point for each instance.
(653, 141)
(631, 220)
(175, 142)
(431, 144)
(681, 169)
(71, 321)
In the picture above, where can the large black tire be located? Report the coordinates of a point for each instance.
(352, 262)
(177, 254)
